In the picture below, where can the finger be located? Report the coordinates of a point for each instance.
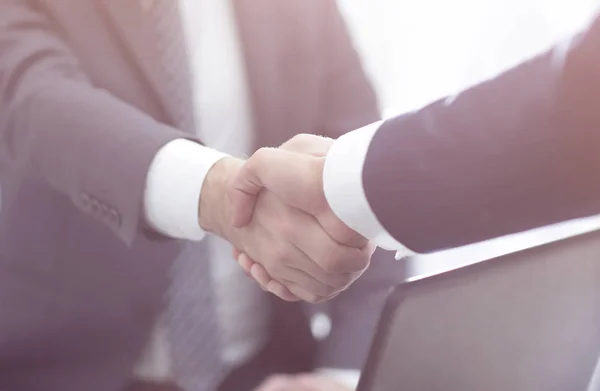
(294, 285)
(304, 294)
(309, 283)
(313, 252)
(281, 259)
(328, 261)
(339, 231)
(245, 262)
(289, 275)
(275, 287)
(294, 177)
(236, 253)
(268, 284)
(279, 290)
(260, 274)
(309, 295)
(319, 146)
(308, 144)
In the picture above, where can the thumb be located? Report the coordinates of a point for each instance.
(293, 177)
(309, 144)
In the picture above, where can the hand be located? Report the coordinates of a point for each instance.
(293, 173)
(305, 382)
(291, 244)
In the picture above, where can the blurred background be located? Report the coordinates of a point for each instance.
(418, 51)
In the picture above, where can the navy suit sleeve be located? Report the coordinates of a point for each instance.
(513, 153)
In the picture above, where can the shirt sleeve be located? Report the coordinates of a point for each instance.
(174, 185)
(344, 191)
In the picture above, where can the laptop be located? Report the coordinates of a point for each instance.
(527, 321)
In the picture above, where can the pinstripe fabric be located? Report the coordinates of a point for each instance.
(173, 59)
(191, 322)
(190, 318)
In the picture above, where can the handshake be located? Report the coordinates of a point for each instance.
(273, 210)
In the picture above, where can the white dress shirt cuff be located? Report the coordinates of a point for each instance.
(173, 188)
(343, 186)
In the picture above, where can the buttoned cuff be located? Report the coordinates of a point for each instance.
(174, 185)
(344, 191)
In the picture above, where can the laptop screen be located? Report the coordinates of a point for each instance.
(524, 322)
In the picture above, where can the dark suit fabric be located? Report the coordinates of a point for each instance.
(514, 153)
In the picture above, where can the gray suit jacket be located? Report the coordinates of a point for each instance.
(84, 106)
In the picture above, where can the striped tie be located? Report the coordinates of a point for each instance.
(192, 322)
(169, 40)
(190, 318)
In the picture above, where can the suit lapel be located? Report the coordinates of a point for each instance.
(139, 35)
(261, 49)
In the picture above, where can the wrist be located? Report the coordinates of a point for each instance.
(213, 208)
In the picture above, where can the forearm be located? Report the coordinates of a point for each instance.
(511, 154)
(101, 157)
(56, 126)
(182, 181)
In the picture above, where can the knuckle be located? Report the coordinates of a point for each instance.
(279, 255)
(301, 140)
(331, 267)
(260, 153)
(287, 228)
(332, 259)
(336, 229)
(295, 143)
(260, 275)
(342, 233)
(343, 260)
(258, 158)
(348, 236)
(301, 137)
(276, 269)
